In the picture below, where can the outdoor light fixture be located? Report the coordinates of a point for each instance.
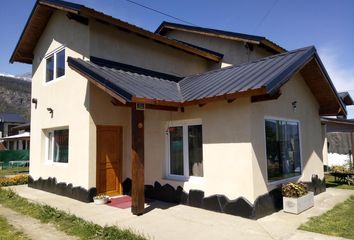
(294, 104)
(35, 101)
(50, 110)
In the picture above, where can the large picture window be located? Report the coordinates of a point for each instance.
(283, 149)
(58, 146)
(55, 65)
(185, 149)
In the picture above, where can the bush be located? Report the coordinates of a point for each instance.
(294, 190)
(16, 180)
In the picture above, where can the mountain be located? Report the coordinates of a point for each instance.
(15, 95)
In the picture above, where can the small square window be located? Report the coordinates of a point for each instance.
(55, 66)
(58, 146)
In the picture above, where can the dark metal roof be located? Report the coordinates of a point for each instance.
(133, 69)
(261, 77)
(11, 117)
(346, 98)
(65, 4)
(269, 73)
(166, 26)
(128, 84)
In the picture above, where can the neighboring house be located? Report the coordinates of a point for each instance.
(116, 107)
(19, 139)
(8, 121)
(339, 137)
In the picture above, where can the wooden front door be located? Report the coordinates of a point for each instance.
(109, 160)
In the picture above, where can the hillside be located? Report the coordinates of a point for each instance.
(15, 95)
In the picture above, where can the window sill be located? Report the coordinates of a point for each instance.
(176, 178)
(184, 179)
(56, 164)
(285, 180)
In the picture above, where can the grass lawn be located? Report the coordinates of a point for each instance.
(331, 183)
(68, 223)
(13, 171)
(7, 231)
(337, 222)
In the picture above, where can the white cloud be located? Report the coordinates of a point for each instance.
(341, 76)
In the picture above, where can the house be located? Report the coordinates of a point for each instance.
(208, 120)
(8, 121)
(339, 137)
(19, 139)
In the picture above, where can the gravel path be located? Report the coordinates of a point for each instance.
(33, 228)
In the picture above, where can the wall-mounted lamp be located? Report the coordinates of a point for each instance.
(35, 101)
(294, 104)
(50, 110)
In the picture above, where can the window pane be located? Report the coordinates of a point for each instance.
(60, 67)
(195, 150)
(283, 149)
(61, 145)
(49, 69)
(176, 150)
(50, 146)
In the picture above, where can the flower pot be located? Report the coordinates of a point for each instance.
(100, 201)
(298, 205)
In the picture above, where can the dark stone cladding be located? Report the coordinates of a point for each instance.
(264, 205)
(63, 189)
(316, 185)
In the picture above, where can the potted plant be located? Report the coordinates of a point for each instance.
(296, 198)
(100, 199)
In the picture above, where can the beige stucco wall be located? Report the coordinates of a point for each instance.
(67, 97)
(311, 139)
(234, 51)
(110, 43)
(234, 159)
(226, 148)
(103, 112)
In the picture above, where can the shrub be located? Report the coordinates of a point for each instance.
(294, 190)
(339, 168)
(15, 180)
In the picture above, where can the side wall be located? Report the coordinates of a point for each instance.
(67, 96)
(234, 52)
(110, 43)
(311, 138)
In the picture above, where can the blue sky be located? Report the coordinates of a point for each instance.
(327, 24)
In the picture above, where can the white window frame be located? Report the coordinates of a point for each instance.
(47, 140)
(290, 179)
(184, 124)
(54, 54)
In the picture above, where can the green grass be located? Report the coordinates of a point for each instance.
(68, 223)
(13, 171)
(331, 183)
(337, 222)
(7, 231)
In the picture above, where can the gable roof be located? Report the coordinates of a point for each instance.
(43, 10)
(262, 41)
(12, 117)
(346, 98)
(258, 78)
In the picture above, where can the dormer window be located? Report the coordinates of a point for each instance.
(55, 65)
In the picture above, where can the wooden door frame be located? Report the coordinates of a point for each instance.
(120, 164)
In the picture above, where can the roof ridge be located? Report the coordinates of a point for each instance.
(250, 37)
(251, 62)
(208, 29)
